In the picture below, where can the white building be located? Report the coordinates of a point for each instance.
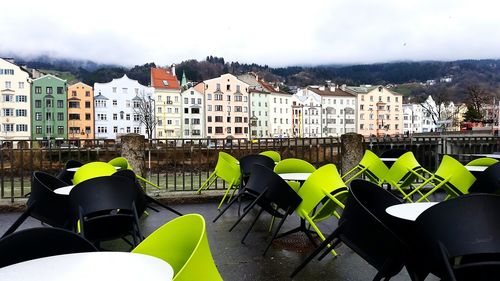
(15, 115)
(193, 114)
(306, 113)
(413, 119)
(116, 106)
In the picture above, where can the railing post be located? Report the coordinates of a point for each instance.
(351, 151)
(133, 150)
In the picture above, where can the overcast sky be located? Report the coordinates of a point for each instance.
(273, 32)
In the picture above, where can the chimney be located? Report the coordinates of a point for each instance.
(343, 87)
(332, 88)
(173, 69)
(322, 88)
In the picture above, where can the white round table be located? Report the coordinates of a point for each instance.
(389, 159)
(74, 169)
(95, 266)
(64, 190)
(295, 176)
(409, 211)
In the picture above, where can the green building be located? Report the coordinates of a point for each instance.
(49, 108)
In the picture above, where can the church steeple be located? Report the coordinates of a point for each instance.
(184, 80)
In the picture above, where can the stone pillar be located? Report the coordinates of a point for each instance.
(351, 149)
(133, 150)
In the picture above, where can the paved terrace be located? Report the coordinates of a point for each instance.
(245, 262)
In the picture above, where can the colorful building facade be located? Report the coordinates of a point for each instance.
(80, 112)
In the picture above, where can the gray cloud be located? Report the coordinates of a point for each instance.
(277, 33)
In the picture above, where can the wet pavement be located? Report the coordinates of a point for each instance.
(237, 261)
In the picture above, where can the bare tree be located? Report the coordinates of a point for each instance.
(478, 97)
(144, 107)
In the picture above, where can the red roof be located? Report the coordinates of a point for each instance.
(162, 78)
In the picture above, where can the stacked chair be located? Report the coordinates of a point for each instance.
(93, 170)
(228, 169)
(67, 176)
(183, 243)
(272, 194)
(322, 197)
(363, 228)
(123, 163)
(294, 165)
(275, 155)
(370, 166)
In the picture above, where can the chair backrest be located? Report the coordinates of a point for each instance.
(109, 205)
(484, 161)
(275, 155)
(400, 170)
(258, 181)
(458, 178)
(183, 243)
(365, 233)
(488, 181)
(121, 162)
(467, 227)
(393, 153)
(324, 180)
(228, 168)
(141, 200)
(46, 205)
(294, 165)
(93, 170)
(40, 242)
(248, 161)
(67, 176)
(375, 168)
(278, 194)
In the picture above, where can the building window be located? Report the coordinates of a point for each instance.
(60, 116)
(60, 104)
(114, 89)
(59, 90)
(87, 93)
(137, 130)
(209, 130)
(38, 130)
(8, 112)
(218, 130)
(21, 85)
(218, 118)
(74, 116)
(74, 104)
(38, 90)
(127, 117)
(48, 90)
(38, 116)
(8, 127)
(22, 98)
(218, 108)
(115, 103)
(21, 128)
(87, 116)
(21, 112)
(87, 104)
(237, 130)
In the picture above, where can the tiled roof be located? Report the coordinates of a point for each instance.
(269, 88)
(162, 78)
(328, 92)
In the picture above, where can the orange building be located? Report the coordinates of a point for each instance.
(80, 112)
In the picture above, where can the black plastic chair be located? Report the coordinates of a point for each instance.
(362, 228)
(104, 209)
(460, 238)
(392, 153)
(34, 243)
(67, 176)
(144, 200)
(275, 197)
(44, 204)
(246, 165)
(487, 181)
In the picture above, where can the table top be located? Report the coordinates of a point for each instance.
(476, 168)
(389, 159)
(121, 266)
(409, 211)
(74, 169)
(64, 190)
(295, 176)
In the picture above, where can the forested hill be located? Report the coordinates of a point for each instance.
(485, 73)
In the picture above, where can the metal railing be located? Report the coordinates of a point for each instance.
(183, 164)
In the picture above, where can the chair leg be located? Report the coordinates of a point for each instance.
(206, 184)
(163, 205)
(237, 198)
(225, 195)
(19, 221)
(251, 226)
(275, 234)
(246, 211)
(320, 248)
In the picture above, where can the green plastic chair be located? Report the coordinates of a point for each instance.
(451, 176)
(123, 163)
(228, 169)
(404, 172)
(183, 243)
(294, 165)
(322, 196)
(93, 170)
(484, 161)
(371, 166)
(272, 154)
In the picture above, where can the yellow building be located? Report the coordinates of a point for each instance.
(380, 111)
(80, 112)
